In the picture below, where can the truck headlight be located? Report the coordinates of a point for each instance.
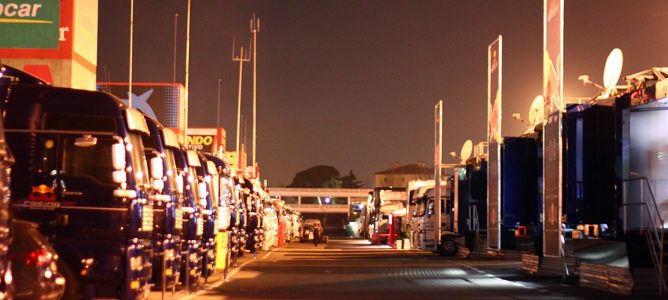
(136, 263)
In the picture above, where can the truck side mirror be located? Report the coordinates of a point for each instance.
(156, 173)
(179, 184)
(223, 217)
(119, 176)
(156, 167)
(201, 188)
(118, 156)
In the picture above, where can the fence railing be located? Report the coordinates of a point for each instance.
(641, 212)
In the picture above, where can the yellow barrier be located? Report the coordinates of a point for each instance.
(221, 249)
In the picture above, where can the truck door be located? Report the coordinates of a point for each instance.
(85, 184)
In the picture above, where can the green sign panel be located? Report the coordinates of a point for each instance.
(29, 23)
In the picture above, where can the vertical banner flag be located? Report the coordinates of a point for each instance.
(494, 139)
(553, 33)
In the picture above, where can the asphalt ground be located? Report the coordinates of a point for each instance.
(354, 269)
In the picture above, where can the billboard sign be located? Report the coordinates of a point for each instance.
(210, 140)
(161, 101)
(36, 28)
(29, 23)
(553, 33)
(494, 69)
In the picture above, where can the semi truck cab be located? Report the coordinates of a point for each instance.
(81, 174)
(168, 219)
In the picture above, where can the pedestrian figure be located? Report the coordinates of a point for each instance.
(317, 233)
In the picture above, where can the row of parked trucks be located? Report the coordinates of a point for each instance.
(615, 192)
(126, 207)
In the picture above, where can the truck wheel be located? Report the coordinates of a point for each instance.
(448, 247)
(73, 286)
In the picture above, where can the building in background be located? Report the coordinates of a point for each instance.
(55, 40)
(399, 176)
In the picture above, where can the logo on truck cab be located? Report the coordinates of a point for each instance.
(42, 197)
(42, 193)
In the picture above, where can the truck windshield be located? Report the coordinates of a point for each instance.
(138, 159)
(88, 160)
(422, 208)
(214, 185)
(192, 174)
(171, 169)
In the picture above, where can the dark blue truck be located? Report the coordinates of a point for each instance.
(167, 199)
(81, 174)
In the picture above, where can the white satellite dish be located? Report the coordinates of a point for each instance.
(536, 114)
(467, 149)
(612, 71)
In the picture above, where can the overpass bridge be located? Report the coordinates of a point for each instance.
(321, 200)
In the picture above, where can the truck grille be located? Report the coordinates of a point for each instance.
(179, 219)
(147, 219)
(200, 225)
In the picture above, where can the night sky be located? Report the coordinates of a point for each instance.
(353, 84)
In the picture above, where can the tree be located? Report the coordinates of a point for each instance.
(317, 177)
(350, 181)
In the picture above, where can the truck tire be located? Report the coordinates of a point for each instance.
(448, 247)
(73, 284)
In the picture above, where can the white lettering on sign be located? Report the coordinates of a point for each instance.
(62, 33)
(22, 11)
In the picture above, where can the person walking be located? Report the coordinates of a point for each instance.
(317, 233)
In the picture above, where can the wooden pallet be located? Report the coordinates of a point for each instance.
(530, 263)
(613, 279)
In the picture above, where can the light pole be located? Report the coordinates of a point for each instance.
(187, 69)
(176, 19)
(132, 18)
(241, 58)
(438, 153)
(218, 113)
(255, 28)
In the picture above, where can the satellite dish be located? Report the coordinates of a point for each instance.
(536, 115)
(612, 71)
(467, 149)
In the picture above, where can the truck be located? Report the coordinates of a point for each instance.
(193, 223)
(82, 176)
(207, 205)
(422, 216)
(168, 199)
(470, 201)
(236, 221)
(223, 189)
(6, 162)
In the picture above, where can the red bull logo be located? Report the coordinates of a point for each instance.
(42, 193)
